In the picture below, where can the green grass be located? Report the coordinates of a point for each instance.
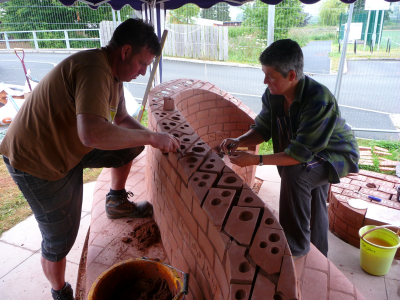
(392, 146)
(394, 35)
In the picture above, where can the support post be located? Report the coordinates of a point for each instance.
(271, 23)
(374, 32)
(119, 17)
(366, 29)
(7, 42)
(66, 39)
(380, 30)
(35, 40)
(343, 55)
(114, 19)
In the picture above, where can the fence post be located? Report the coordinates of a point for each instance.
(271, 22)
(66, 39)
(343, 55)
(35, 40)
(220, 43)
(7, 42)
(226, 43)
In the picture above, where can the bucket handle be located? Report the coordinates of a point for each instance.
(379, 227)
(185, 277)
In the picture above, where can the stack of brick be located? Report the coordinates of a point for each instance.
(213, 226)
(345, 221)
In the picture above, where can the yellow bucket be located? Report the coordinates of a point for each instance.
(123, 276)
(377, 249)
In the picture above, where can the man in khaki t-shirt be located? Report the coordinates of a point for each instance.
(76, 118)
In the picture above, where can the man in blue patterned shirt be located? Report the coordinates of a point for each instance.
(312, 144)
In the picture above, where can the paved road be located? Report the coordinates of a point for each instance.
(316, 57)
(368, 85)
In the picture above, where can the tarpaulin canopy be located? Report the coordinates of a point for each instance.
(172, 4)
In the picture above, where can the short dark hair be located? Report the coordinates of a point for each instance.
(284, 56)
(137, 34)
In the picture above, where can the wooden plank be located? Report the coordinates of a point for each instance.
(226, 43)
(220, 43)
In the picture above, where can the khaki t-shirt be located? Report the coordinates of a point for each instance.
(43, 140)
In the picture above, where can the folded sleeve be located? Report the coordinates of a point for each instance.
(317, 124)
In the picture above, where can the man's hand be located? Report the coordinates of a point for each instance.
(244, 159)
(229, 145)
(165, 142)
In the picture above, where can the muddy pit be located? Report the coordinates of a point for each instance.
(145, 289)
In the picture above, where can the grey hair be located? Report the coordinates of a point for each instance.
(284, 56)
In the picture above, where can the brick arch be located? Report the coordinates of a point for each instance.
(213, 226)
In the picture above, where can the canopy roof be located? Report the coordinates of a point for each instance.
(172, 4)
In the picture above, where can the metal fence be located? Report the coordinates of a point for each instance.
(369, 95)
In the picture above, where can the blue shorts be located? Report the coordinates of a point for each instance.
(57, 204)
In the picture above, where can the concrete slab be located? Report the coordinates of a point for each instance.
(268, 173)
(27, 281)
(88, 191)
(11, 256)
(392, 289)
(25, 234)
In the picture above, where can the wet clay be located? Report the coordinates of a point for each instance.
(145, 235)
(145, 289)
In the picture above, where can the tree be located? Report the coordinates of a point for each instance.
(330, 11)
(218, 12)
(288, 14)
(185, 14)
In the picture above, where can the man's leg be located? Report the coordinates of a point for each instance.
(119, 176)
(319, 218)
(295, 204)
(57, 209)
(117, 203)
(54, 272)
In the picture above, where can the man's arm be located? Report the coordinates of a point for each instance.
(96, 132)
(244, 159)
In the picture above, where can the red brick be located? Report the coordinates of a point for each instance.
(202, 114)
(219, 240)
(287, 279)
(264, 289)
(240, 271)
(189, 258)
(243, 126)
(230, 110)
(192, 110)
(267, 249)
(207, 105)
(340, 233)
(315, 285)
(197, 252)
(194, 100)
(338, 281)
(229, 126)
(204, 284)
(206, 246)
(210, 277)
(177, 234)
(195, 288)
(199, 185)
(217, 204)
(216, 112)
(202, 131)
(215, 128)
(230, 181)
(208, 121)
(316, 260)
(240, 291)
(200, 217)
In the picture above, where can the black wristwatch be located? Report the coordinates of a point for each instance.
(261, 161)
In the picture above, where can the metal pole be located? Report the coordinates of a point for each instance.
(366, 29)
(67, 39)
(6, 39)
(114, 19)
(374, 33)
(380, 31)
(119, 17)
(271, 23)
(343, 55)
